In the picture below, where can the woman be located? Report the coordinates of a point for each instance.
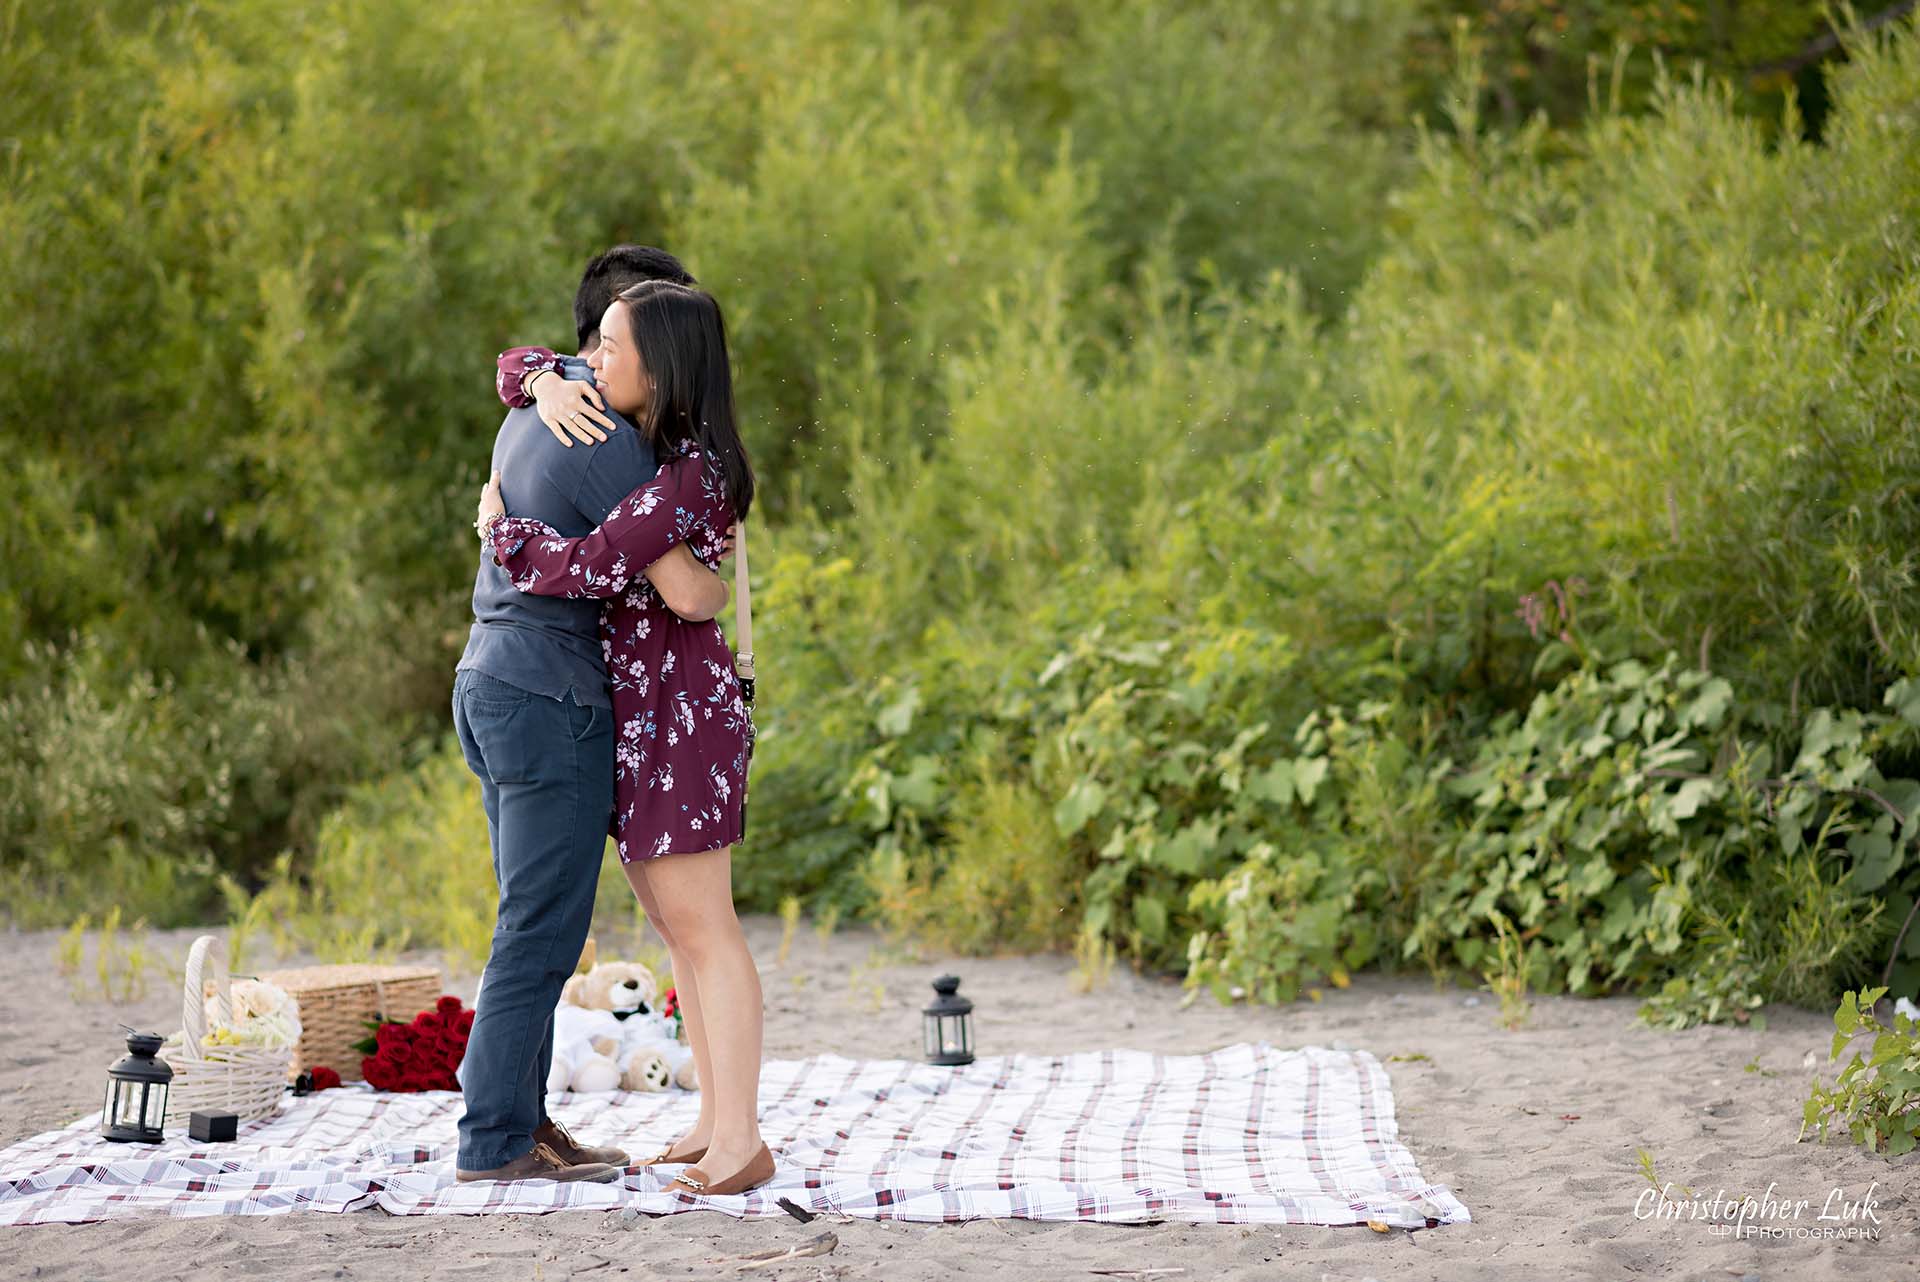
(681, 761)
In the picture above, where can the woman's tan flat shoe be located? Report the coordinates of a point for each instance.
(667, 1157)
(757, 1171)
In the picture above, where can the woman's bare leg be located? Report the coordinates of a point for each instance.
(686, 991)
(695, 896)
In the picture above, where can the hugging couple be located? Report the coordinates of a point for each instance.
(597, 695)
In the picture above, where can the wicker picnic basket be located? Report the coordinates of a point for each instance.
(336, 1001)
(248, 1081)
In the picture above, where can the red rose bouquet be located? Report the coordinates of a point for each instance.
(420, 1055)
(670, 1008)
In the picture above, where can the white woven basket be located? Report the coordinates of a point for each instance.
(248, 1081)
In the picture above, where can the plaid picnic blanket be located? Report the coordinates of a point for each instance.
(1248, 1133)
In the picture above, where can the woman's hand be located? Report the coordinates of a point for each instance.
(491, 505)
(569, 405)
(726, 544)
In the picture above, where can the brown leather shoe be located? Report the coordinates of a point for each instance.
(542, 1163)
(757, 1171)
(555, 1137)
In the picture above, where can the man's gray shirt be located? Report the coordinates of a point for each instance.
(545, 644)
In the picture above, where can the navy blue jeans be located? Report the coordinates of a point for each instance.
(546, 779)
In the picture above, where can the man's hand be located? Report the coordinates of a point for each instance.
(491, 504)
(569, 405)
(689, 588)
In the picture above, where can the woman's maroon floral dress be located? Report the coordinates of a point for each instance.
(680, 727)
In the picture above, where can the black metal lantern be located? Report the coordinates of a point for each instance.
(137, 1092)
(949, 1024)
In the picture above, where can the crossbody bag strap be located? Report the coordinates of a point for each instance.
(743, 649)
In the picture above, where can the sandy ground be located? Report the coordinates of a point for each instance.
(1537, 1131)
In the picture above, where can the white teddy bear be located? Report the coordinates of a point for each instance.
(607, 1035)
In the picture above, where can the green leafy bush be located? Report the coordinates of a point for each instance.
(1626, 806)
(1632, 828)
(1877, 1095)
(1231, 522)
(403, 862)
(1206, 508)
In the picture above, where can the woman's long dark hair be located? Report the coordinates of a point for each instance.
(682, 341)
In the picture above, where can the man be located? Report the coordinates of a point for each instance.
(532, 709)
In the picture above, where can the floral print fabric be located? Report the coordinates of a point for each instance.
(513, 365)
(679, 722)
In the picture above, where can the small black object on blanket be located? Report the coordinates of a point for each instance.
(213, 1127)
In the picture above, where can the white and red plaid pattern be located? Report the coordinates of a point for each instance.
(1241, 1135)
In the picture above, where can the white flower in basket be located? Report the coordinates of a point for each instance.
(263, 1014)
(258, 997)
(234, 1051)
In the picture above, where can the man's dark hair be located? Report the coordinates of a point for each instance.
(619, 268)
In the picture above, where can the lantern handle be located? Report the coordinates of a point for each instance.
(193, 1006)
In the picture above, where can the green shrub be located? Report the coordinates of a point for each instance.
(1004, 883)
(1877, 1095)
(1260, 478)
(403, 863)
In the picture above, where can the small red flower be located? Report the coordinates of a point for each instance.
(323, 1077)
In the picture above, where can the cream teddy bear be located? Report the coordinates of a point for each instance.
(607, 1035)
